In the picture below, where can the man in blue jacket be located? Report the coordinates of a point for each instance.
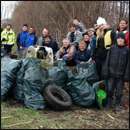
(29, 40)
(20, 39)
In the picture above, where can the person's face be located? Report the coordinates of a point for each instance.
(31, 30)
(8, 27)
(101, 26)
(95, 26)
(44, 33)
(75, 22)
(91, 34)
(47, 40)
(66, 43)
(72, 29)
(25, 28)
(123, 24)
(86, 38)
(1, 25)
(120, 41)
(82, 47)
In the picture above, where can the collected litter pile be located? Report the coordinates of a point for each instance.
(38, 87)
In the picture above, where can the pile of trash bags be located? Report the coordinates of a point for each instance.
(27, 79)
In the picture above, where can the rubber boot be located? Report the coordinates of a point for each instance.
(117, 104)
(109, 99)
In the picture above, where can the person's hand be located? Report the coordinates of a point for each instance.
(90, 60)
(59, 59)
(82, 62)
(21, 47)
(7, 39)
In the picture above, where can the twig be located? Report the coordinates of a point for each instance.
(111, 116)
(6, 117)
(20, 123)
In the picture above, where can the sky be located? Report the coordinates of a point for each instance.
(7, 9)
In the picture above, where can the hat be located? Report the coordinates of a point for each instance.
(101, 21)
(25, 25)
(121, 35)
(45, 30)
(85, 33)
(82, 42)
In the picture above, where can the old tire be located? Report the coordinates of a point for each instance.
(57, 97)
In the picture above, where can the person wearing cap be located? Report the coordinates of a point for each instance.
(67, 53)
(74, 36)
(42, 38)
(8, 38)
(116, 70)
(83, 53)
(20, 39)
(105, 38)
(79, 25)
(123, 27)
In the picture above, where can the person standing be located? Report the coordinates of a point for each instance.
(123, 27)
(105, 39)
(29, 40)
(42, 38)
(20, 39)
(8, 38)
(116, 70)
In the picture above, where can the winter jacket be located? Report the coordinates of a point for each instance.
(117, 63)
(126, 32)
(20, 38)
(103, 44)
(11, 37)
(30, 40)
(92, 44)
(77, 37)
(81, 28)
(40, 41)
(52, 45)
(82, 56)
(66, 53)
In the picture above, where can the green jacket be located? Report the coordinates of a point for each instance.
(11, 37)
(40, 41)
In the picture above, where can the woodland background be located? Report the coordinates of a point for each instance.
(57, 15)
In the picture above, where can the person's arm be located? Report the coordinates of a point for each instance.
(127, 39)
(18, 40)
(126, 75)
(70, 55)
(79, 37)
(59, 53)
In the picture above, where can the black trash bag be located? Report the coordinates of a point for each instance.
(91, 72)
(35, 79)
(18, 86)
(58, 74)
(79, 89)
(9, 69)
(96, 86)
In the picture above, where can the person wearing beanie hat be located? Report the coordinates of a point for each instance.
(41, 39)
(100, 21)
(104, 39)
(116, 70)
(83, 53)
(123, 28)
(74, 36)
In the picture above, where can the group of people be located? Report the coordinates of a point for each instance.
(107, 48)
